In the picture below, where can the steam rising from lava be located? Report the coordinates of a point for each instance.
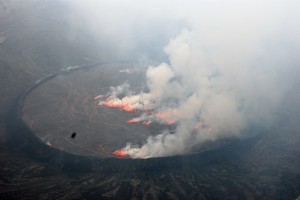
(205, 100)
(225, 72)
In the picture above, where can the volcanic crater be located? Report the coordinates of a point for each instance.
(65, 104)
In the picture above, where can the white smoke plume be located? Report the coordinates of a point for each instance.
(227, 69)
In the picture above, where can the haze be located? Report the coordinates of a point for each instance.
(228, 65)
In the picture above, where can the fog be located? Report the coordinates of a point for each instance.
(223, 66)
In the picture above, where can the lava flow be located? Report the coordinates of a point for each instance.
(119, 153)
(147, 123)
(134, 120)
(114, 104)
(169, 117)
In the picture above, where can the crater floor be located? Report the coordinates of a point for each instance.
(65, 104)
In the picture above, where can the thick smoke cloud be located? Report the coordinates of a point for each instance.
(228, 67)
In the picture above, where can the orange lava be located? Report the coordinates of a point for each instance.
(165, 117)
(111, 105)
(133, 121)
(147, 123)
(119, 153)
(127, 108)
(161, 115)
(170, 121)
